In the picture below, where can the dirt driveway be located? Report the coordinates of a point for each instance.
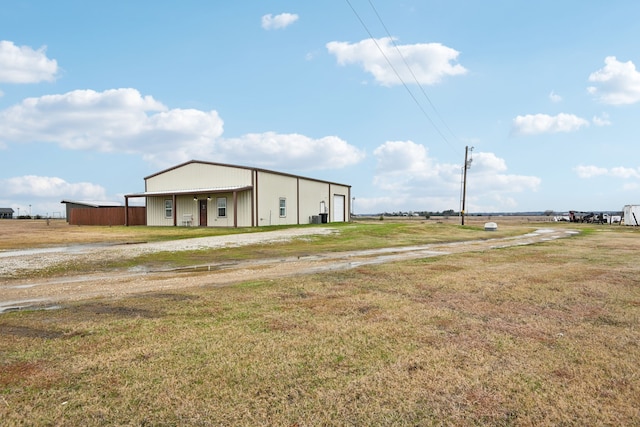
(15, 294)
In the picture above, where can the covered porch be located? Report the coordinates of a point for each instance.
(198, 194)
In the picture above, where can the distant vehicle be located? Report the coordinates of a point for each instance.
(588, 217)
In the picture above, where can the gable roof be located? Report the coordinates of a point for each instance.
(6, 210)
(240, 167)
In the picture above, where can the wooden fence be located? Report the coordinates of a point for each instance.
(108, 216)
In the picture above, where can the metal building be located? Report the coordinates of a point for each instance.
(631, 215)
(207, 194)
(80, 204)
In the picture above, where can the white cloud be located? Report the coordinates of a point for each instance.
(603, 120)
(50, 187)
(622, 172)
(429, 62)
(283, 20)
(615, 172)
(394, 156)
(618, 82)
(554, 97)
(405, 169)
(22, 64)
(122, 120)
(631, 186)
(589, 171)
(114, 120)
(490, 189)
(289, 151)
(487, 175)
(487, 163)
(533, 124)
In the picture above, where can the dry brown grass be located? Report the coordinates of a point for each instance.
(19, 234)
(37, 233)
(537, 335)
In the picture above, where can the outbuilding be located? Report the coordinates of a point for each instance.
(207, 194)
(103, 213)
(84, 204)
(6, 213)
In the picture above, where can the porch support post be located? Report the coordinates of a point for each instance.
(175, 210)
(126, 211)
(235, 209)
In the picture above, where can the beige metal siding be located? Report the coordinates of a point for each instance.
(272, 187)
(244, 208)
(312, 194)
(199, 175)
(185, 208)
(155, 211)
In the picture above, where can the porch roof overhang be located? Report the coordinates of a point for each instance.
(190, 191)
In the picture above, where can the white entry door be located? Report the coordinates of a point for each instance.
(338, 208)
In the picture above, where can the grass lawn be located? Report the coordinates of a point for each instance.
(547, 334)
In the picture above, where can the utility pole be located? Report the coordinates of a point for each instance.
(467, 165)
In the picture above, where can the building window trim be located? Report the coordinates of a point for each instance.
(221, 207)
(168, 208)
(283, 207)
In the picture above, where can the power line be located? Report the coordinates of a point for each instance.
(410, 70)
(400, 78)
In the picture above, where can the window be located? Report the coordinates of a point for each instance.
(283, 207)
(222, 206)
(168, 208)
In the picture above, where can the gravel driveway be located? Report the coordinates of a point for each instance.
(42, 258)
(18, 294)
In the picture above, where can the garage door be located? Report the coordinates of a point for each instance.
(338, 208)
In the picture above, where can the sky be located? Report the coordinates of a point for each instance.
(385, 96)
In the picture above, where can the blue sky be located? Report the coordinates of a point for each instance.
(383, 96)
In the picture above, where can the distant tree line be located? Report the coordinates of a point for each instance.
(425, 214)
(453, 212)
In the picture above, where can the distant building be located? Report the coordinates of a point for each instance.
(631, 215)
(6, 213)
(209, 194)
